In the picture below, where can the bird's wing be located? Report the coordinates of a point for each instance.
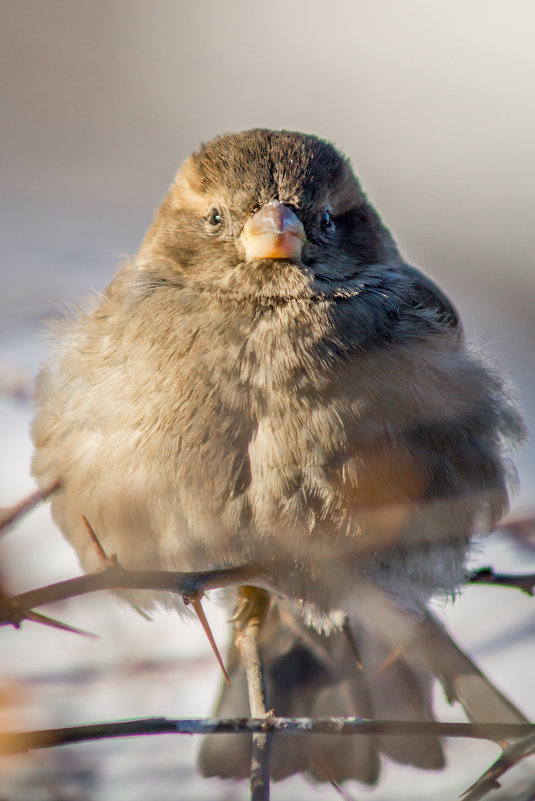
(427, 295)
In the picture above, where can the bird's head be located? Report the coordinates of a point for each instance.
(269, 213)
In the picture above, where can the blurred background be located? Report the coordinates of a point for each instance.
(433, 102)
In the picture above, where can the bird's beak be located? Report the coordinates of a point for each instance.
(273, 232)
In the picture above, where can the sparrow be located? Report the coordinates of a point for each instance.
(268, 382)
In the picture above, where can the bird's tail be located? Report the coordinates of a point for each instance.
(340, 674)
(462, 681)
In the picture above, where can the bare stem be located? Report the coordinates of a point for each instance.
(17, 742)
(510, 756)
(253, 605)
(486, 575)
(10, 515)
(114, 577)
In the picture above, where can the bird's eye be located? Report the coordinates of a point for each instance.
(326, 219)
(214, 218)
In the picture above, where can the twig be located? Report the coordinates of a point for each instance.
(486, 575)
(510, 756)
(268, 725)
(10, 514)
(17, 616)
(16, 742)
(115, 577)
(253, 605)
(522, 527)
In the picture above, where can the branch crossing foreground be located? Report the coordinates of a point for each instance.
(15, 609)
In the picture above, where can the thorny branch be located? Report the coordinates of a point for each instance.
(114, 577)
(486, 575)
(15, 609)
(17, 742)
(510, 756)
(522, 529)
(9, 515)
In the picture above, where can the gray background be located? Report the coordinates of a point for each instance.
(433, 102)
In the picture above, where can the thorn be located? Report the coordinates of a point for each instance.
(348, 631)
(103, 558)
(327, 775)
(199, 611)
(342, 792)
(396, 653)
(143, 614)
(57, 624)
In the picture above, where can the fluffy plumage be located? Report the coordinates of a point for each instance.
(319, 415)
